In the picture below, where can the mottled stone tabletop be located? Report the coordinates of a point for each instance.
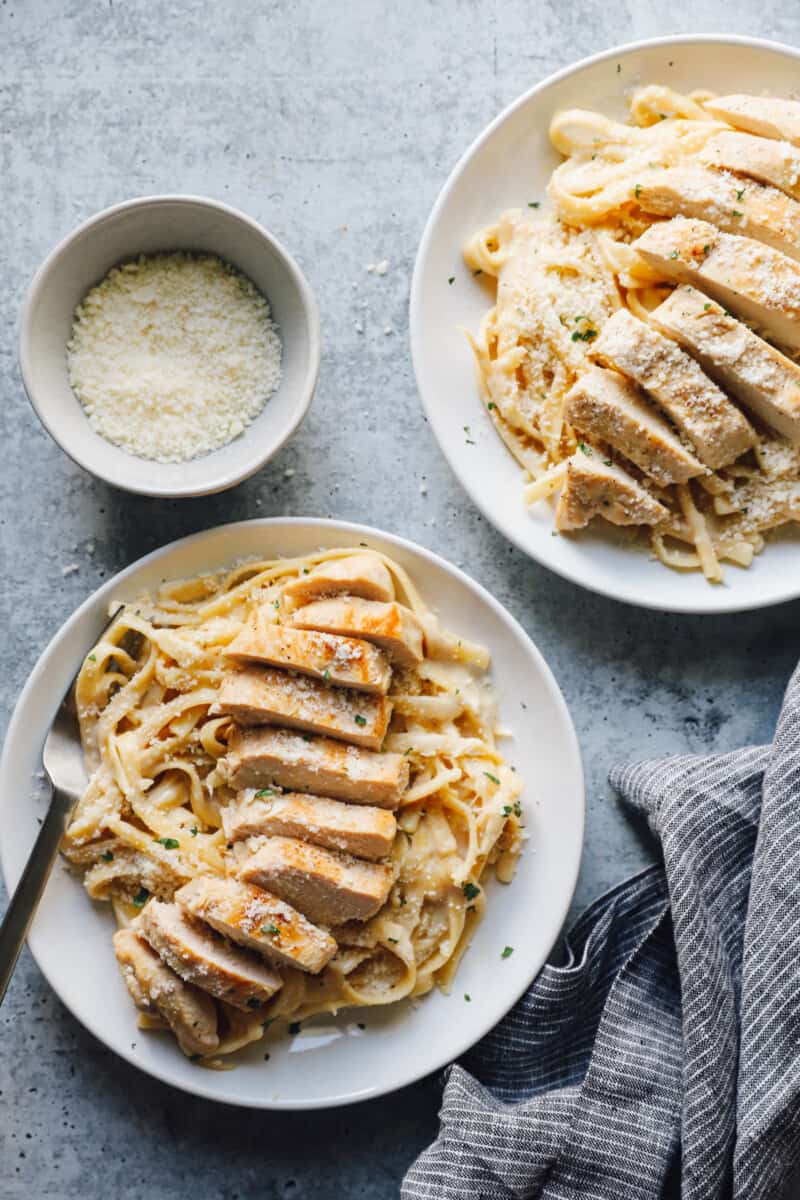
(335, 125)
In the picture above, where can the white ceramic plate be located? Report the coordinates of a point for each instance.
(333, 1060)
(508, 167)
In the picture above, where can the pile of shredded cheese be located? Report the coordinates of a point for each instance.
(173, 355)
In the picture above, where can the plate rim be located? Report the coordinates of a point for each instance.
(413, 1073)
(719, 601)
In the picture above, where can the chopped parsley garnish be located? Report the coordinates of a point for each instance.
(168, 843)
(607, 462)
(452, 279)
(637, 191)
(467, 997)
(92, 658)
(509, 950)
(739, 194)
(587, 335)
(493, 778)
(735, 213)
(706, 307)
(403, 901)
(707, 248)
(141, 897)
(392, 940)
(471, 890)
(507, 810)
(276, 603)
(108, 856)
(326, 674)
(584, 449)
(491, 406)
(193, 831)
(252, 1002)
(517, 808)
(264, 792)
(271, 930)
(359, 720)
(534, 203)
(673, 254)
(294, 1027)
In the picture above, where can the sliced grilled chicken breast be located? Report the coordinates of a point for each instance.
(735, 205)
(155, 987)
(260, 757)
(393, 627)
(326, 886)
(716, 428)
(357, 575)
(596, 488)
(204, 959)
(264, 696)
(605, 405)
(357, 829)
(757, 374)
(344, 661)
(763, 115)
(771, 162)
(257, 919)
(759, 284)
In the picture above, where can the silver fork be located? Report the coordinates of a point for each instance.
(62, 758)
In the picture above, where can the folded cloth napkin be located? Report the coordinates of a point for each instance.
(663, 1056)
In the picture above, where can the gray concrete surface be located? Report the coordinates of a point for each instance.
(335, 125)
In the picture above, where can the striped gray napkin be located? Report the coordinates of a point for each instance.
(662, 1056)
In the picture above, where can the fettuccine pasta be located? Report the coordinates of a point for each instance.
(562, 274)
(160, 781)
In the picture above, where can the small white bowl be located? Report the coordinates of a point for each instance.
(149, 225)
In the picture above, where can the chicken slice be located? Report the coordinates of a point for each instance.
(263, 696)
(757, 374)
(327, 887)
(154, 987)
(716, 428)
(596, 488)
(344, 661)
(204, 959)
(759, 284)
(607, 406)
(391, 626)
(763, 115)
(260, 757)
(356, 829)
(734, 205)
(775, 163)
(357, 575)
(255, 919)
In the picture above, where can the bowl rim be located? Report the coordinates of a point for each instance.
(330, 529)
(720, 602)
(248, 464)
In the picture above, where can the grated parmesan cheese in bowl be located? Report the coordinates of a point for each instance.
(173, 355)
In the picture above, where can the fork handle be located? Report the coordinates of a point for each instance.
(25, 900)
